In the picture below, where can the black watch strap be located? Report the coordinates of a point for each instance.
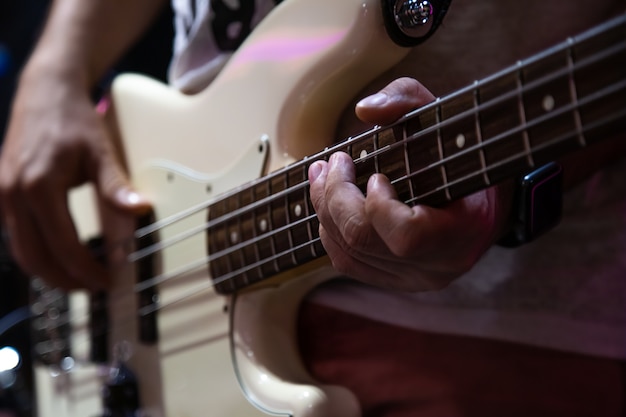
(537, 205)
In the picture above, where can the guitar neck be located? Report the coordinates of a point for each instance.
(536, 111)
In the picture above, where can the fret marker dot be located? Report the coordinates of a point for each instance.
(297, 210)
(363, 153)
(548, 103)
(234, 237)
(460, 140)
(263, 225)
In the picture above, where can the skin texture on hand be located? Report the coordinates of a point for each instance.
(381, 241)
(56, 140)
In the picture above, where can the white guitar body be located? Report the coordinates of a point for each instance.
(275, 102)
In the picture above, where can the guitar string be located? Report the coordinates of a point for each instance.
(535, 148)
(137, 255)
(199, 264)
(366, 135)
(202, 289)
(476, 173)
(239, 272)
(170, 220)
(237, 213)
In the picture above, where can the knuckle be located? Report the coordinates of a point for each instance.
(356, 233)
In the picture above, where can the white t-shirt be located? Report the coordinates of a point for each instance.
(566, 291)
(207, 32)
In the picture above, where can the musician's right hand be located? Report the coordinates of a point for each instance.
(56, 140)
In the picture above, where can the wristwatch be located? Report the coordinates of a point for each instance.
(537, 205)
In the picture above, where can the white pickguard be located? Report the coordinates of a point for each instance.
(287, 84)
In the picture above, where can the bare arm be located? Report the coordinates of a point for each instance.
(82, 39)
(56, 140)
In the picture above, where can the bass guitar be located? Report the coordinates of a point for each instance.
(202, 312)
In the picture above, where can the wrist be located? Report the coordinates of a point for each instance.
(46, 66)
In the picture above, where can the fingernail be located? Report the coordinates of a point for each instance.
(314, 171)
(128, 199)
(133, 197)
(332, 160)
(374, 100)
(128, 196)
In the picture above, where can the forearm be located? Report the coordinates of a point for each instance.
(83, 39)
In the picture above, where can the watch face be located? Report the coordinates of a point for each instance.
(541, 200)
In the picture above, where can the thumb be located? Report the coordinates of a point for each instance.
(394, 101)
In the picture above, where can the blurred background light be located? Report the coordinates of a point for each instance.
(9, 359)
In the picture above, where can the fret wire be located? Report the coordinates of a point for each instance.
(552, 142)
(376, 147)
(264, 219)
(407, 162)
(288, 216)
(289, 251)
(509, 95)
(137, 255)
(273, 246)
(562, 110)
(239, 235)
(479, 135)
(444, 175)
(309, 216)
(255, 226)
(522, 114)
(158, 279)
(241, 245)
(299, 208)
(270, 222)
(229, 264)
(573, 92)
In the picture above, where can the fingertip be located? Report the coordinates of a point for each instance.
(379, 184)
(340, 161)
(128, 199)
(392, 102)
(315, 170)
(375, 100)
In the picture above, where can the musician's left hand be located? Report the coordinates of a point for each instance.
(380, 240)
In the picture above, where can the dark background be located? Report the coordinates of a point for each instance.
(20, 23)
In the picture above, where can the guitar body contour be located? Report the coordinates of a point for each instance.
(276, 101)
